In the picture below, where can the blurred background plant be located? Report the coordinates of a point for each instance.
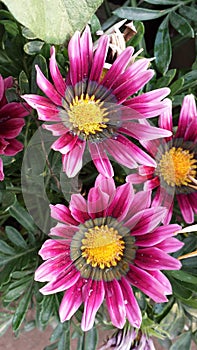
(165, 30)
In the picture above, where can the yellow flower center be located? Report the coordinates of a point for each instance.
(178, 167)
(87, 115)
(102, 246)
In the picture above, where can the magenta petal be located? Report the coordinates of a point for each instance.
(15, 110)
(72, 162)
(66, 279)
(106, 185)
(140, 201)
(186, 208)
(145, 220)
(86, 51)
(75, 70)
(50, 269)
(71, 301)
(1, 87)
(187, 114)
(97, 202)
(48, 88)
(62, 213)
(78, 208)
(132, 308)
(46, 109)
(57, 129)
(151, 96)
(64, 231)
(143, 132)
(65, 143)
(94, 293)
(12, 128)
(99, 59)
(161, 278)
(157, 236)
(170, 245)
(115, 303)
(1, 170)
(120, 149)
(121, 202)
(100, 159)
(13, 147)
(154, 258)
(147, 284)
(52, 248)
(165, 119)
(55, 74)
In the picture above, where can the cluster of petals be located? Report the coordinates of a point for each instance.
(185, 137)
(152, 243)
(117, 90)
(11, 121)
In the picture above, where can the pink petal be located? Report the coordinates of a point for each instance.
(65, 143)
(59, 83)
(1, 87)
(52, 248)
(66, 279)
(170, 245)
(57, 129)
(45, 108)
(98, 202)
(121, 202)
(158, 235)
(106, 185)
(99, 59)
(74, 54)
(151, 184)
(154, 258)
(147, 284)
(165, 119)
(186, 208)
(50, 269)
(161, 278)
(146, 220)
(48, 88)
(151, 96)
(135, 178)
(71, 301)
(132, 308)
(78, 208)
(187, 114)
(64, 231)
(140, 201)
(62, 213)
(72, 162)
(1, 170)
(100, 159)
(12, 128)
(191, 131)
(13, 147)
(94, 293)
(86, 51)
(143, 132)
(120, 151)
(15, 110)
(115, 303)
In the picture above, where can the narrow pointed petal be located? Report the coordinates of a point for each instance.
(13, 147)
(158, 235)
(147, 283)
(120, 149)
(186, 208)
(121, 202)
(52, 248)
(71, 301)
(99, 59)
(62, 213)
(50, 269)
(46, 109)
(132, 308)
(65, 143)
(55, 74)
(98, 202)
(154, 95)
(94, 295)
(106, 185)
(140, 201)
(78, 208)
(154, 258)
(170, 245)
(72, 162)
(161, 278)
(187, 114)
(143, 132)
(165, 119)
(57, 129)
(115, 303)
(100, 159)
(48, 88)
(1, 170)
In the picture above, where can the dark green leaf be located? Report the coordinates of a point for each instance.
(28, 34)
(183, 276)
(166, 79)
(190, 80)
(6, 249)
(41, 62)
(47, 308)
(139, 14)
(161, 2)
(188, 12)
(183, 342)
(5, 322)
(15, 237)
(10, 26)
(57, 332)
(23, 83)
(21, 310)
(64, 342)
(15, 293)
(33, 47)
(95, 24)
(22, 216)
(162, 47)
(51, 347)
(179, 290)
(176, 86)
(181, 25)
(90, 339)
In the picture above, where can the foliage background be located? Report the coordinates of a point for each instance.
(166, 30)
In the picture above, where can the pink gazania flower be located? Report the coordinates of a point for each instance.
(11, 121)
(89, 108)
(175, 173)
(104, 245)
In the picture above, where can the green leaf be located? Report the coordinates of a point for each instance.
(10, 26)
(53, 21)
(95, 24)
(5, 322)
(176, 86)
(181, 25)
(41, 62)
(138, 36)
(161, 2)
(28, 34)
(23, 83)
(47, 308)
(183, 276)
(21, 310)
(183, 342)
(188, 12)
(90, 339)
(162, 47)
(139, 14)
(166, 79)
(33, 47)
(15, 237)
(6, 249)
(22, 216)
(179, 290)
